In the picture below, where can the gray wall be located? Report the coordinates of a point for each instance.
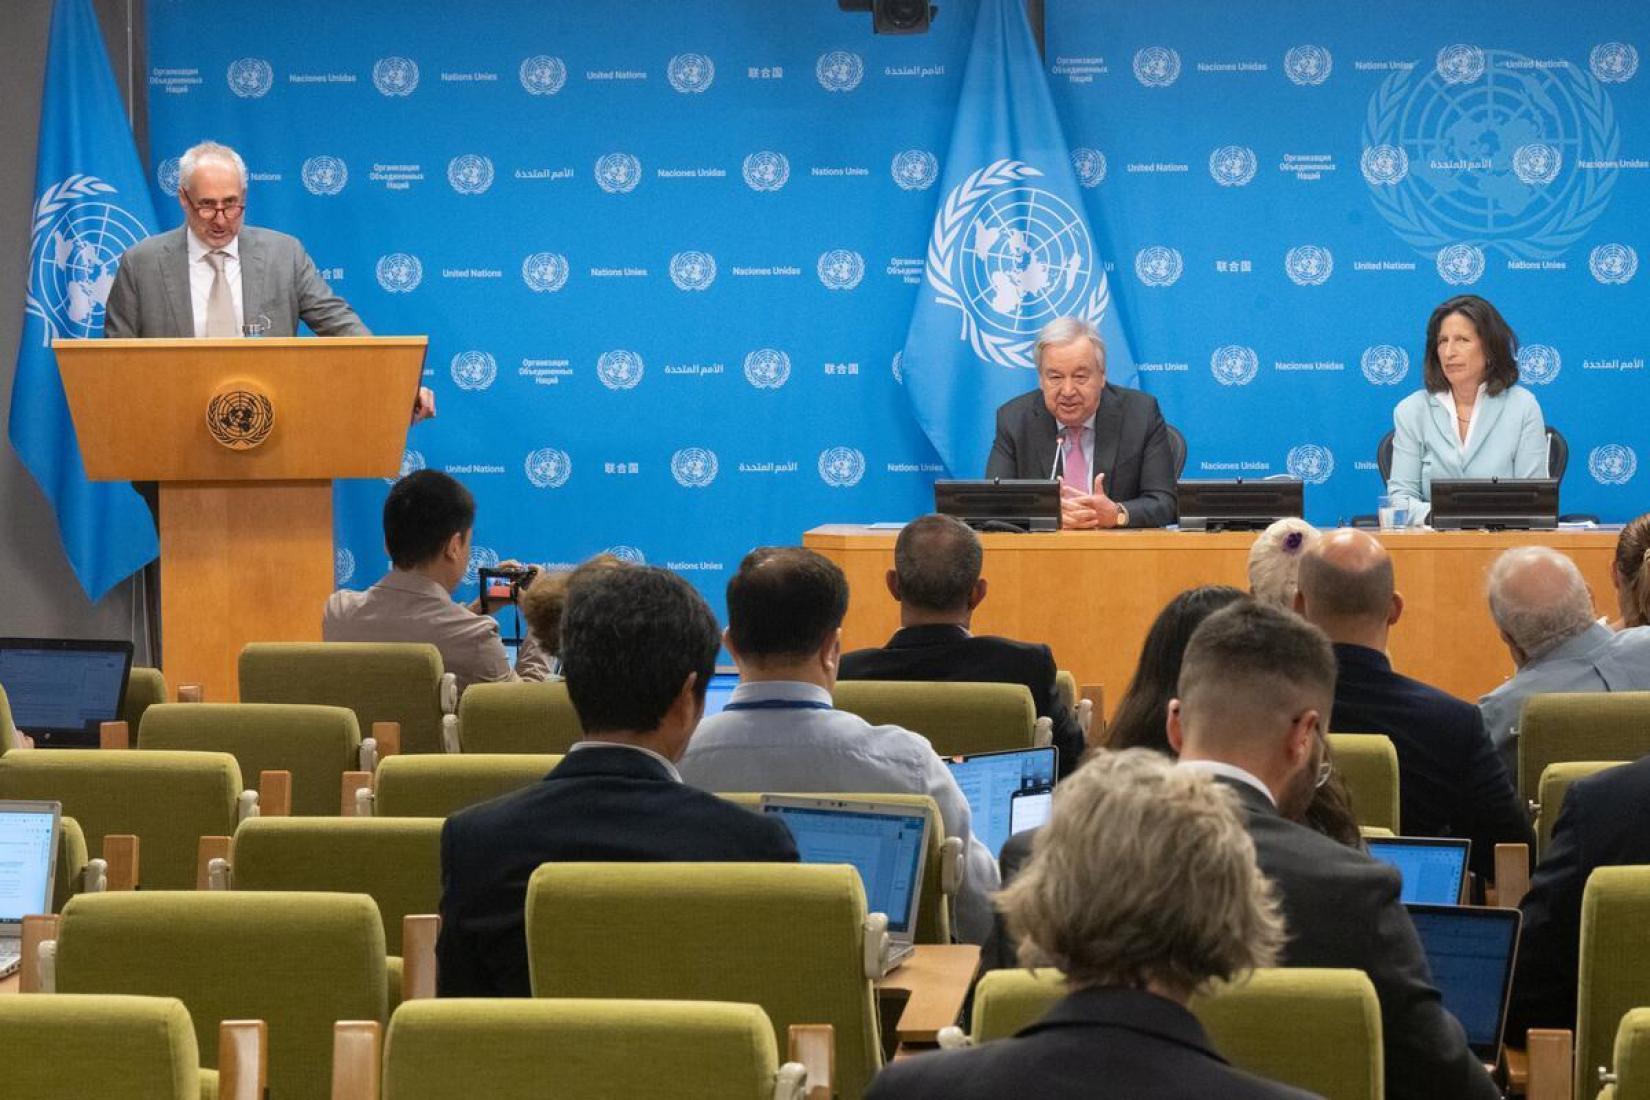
(39, 595)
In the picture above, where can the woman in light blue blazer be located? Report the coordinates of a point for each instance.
(1471, 418)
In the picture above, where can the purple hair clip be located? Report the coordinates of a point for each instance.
(1292, 542)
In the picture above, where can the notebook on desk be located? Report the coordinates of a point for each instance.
(1434, 869)
(1007, 792)
(1470, 951)
(62, 689)
(28, 859)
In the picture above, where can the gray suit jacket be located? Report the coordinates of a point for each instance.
(150, 295)
(1131, 447)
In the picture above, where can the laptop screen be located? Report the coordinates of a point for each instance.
(61, 690)
(885, 848)
(28, 848)
(1470, 952)
(990, 781)
(1433, 870)
(719, 690)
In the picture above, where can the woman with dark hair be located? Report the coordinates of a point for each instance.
(1630, 573)
(1471, 418)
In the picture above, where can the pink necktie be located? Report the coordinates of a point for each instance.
(1075, 469)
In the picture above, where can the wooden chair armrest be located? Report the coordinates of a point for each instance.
(348, 802)
(388, 736)
(813, 1046)
(210, 848)
(1095, 694)
(1512, 874)
(355, 1059)
(114, 735)
(120, 851)
(1551, 1072)
(275, 794)
(1042, 734)
(191, 693)
(418, 936)
(37, 929)
(243, 1059)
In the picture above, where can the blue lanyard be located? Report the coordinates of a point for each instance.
(779, 704)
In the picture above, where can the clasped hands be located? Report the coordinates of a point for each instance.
(1086, 511)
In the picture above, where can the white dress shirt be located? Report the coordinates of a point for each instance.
(1446, 399)
(814, 748)
(200, 279)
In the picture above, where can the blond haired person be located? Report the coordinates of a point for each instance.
(1275, 561)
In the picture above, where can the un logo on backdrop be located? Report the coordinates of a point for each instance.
(693, 467)
(1158, 265)
(839, 71)
(766, 171)
(1309, 265)
(841, 467)
(1461, 264)
(914, 169)
(251, 77)
(470, 174)
(411, 463)
(1156, 66)
(395, 76)
(1232, 165)
(548, 468)
(79, 237)
(399, 272)
(841, 269)
(544, 272)
(690, 73)
(1384, 164)
(627, 554)
(767, 368)
(1308, 65)
(1536, 163)
(542, 74)
(1311, 462)
(618, 173)
(166, 174)
(1090, 166)
(481, 557)
(1614, 62)
(473, 370)
(1613, 264)
(1234, 365)
(1385, 364)
(619, 369)
(324, 175)
(1538, 364)
(1613, 464)
(1460, 64)
(692, 270)
(343, 566)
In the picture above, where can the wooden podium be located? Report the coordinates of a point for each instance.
(245, 438)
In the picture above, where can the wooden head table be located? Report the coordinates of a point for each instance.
(1092, 595)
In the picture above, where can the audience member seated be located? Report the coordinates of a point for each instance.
(543, 601)
(1450, 780)
(1256, 689)
(1544, 610)
(1605, 822)
(780, 732)
(428, 522)
(1630, 574)
(1092, 904)
(639, 646)
(1275, 561)
(937, 583)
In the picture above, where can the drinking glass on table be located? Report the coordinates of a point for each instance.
(1393, 512)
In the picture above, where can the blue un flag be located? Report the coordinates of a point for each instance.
(91, 204)
(1009, 252)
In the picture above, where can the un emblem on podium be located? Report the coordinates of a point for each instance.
(240, 416)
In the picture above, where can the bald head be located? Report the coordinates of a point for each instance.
(1346, 579)
(1539, 599)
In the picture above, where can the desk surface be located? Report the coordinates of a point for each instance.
(937, 976)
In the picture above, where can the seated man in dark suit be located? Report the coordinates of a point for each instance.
(1256, 687)
(1451, 781)
(638, 648)
(936, 582)
(1605, 822)
(1108, 445)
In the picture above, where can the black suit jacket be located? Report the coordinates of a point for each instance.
(946, 652)
(1605, 822)
(1131, 447)
(600, 804)
(1451, 781)
(1093, 1044)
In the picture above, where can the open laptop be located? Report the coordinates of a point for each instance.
(720, 689)
(1470, 951)
(886, 842)
(1007, 792)
(60, 689)
(28, 857)
(1434, 869)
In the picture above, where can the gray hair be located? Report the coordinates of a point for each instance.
(1538, 598)
(208, 150)
(1067, 330)
(1144, 873)
(1275, 561)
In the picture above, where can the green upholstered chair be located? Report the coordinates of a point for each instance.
(8, 731)
(317, 744)
(941, 872)
(1368, 764)
(1553, 729)
(583, 1050)
(68, 880)
(957, 718)
(380, 682)
(144, 688)
(521, 718)
(1615, 968)
(61, 1046)
(1065, 690)
(1556, 780)
(299, 962)
(1007, 1000)
(1629, 1078)
(787, 936)
(435, 786)
(169, 800)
